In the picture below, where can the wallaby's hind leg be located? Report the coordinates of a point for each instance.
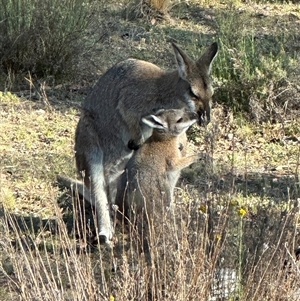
(89, 161)
(95, 183)
(92, 192)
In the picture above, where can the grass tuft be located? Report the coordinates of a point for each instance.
(43, 38)
(252, 66)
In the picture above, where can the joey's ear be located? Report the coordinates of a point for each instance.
(206, 59)
(183, 61)
(185, 125)
(153, 122)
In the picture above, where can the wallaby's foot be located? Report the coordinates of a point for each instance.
(103, 240)
(105, 237)
(133, 145)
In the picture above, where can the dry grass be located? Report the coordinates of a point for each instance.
(50, 254)
(216, 253)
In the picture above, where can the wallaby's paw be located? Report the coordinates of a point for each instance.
(133, 145)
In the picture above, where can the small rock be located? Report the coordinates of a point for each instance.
(230, 136)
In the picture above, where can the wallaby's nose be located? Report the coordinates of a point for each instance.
(204, 117)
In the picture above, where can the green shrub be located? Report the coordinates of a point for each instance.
(43, 37)
(251, 68)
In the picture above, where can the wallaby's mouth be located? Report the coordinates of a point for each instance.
(203, 117)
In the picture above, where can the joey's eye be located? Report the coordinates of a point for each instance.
(179, 120)
(192, 93)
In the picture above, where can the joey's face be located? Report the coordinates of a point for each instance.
(180, 121)
(170, 123)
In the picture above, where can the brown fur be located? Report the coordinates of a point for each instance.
(145, 190)
(153, 170)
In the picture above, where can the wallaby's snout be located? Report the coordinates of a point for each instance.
(204, 115)
(197, 76)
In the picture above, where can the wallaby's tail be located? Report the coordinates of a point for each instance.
(75, 185)
(64, 181)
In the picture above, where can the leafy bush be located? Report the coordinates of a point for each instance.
(252, 67)
(42, 37)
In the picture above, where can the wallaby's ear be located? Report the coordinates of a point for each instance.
(183, 61)
(154, 122)
(185, 125)
(192, 121)
(206, 59)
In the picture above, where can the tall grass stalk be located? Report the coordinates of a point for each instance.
(192, 257)
(242, 212)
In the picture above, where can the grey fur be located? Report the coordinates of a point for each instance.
(110, 124)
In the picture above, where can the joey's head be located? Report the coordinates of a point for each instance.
(198, 89)
(170, 123)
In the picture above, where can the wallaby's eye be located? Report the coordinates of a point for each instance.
(179, 120)
(193, 94)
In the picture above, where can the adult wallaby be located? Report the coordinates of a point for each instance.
(152, 172)
(110, 124)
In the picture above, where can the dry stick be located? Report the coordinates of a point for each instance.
(50, 278)
(297, 166)
(253, 268)
(2, 269)
(292, 258)
(80, 269)
(164, 245)
(198, 273)
(265, 271)
(59, 276)
(64, 254)
(48, 262)
(124, 219)
(43, 95)
(71, 249)
(16, 229)
(296, 223)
